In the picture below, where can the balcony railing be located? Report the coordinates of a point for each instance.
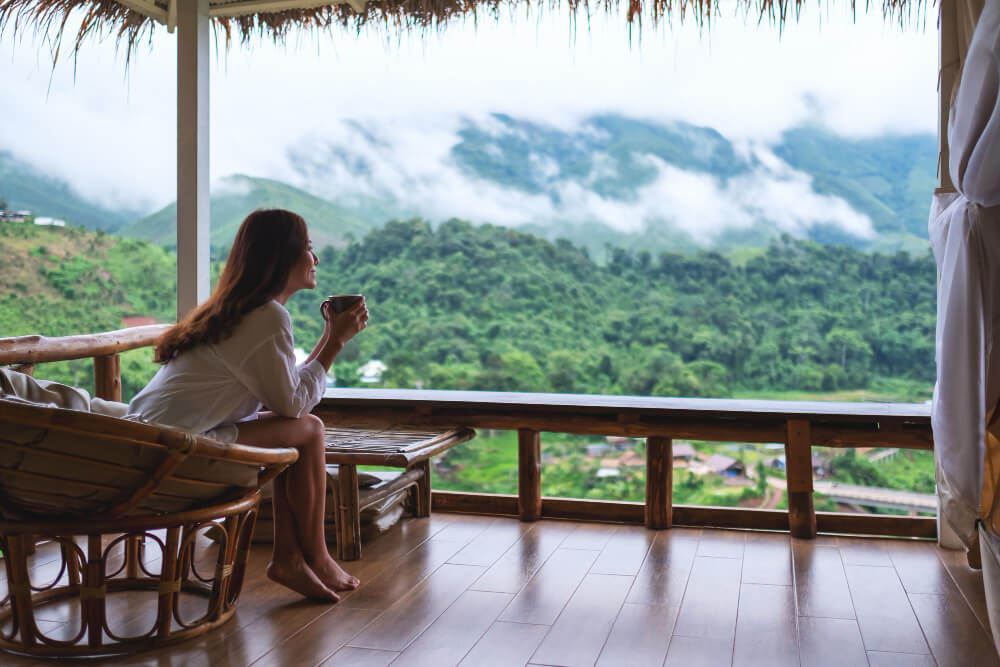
(799, 425)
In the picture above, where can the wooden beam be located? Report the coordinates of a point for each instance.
(948, 72)
(529, 478)
(799, 475)
(659, 482)
(193, 52)
(573, 509)
(108, 377)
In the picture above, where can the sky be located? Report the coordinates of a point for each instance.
(859, 77)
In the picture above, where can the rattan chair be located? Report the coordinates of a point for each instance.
(124, 507)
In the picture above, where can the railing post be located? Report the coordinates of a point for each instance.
(529, 474)
(108, 377)
(799, 477)
(659, 482)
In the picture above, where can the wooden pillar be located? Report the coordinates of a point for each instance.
(799, 474)
(422, 493)
(348, 513)
(192, 154)
(948, 68)
(529, 474)
(659, 482)
(108, 377)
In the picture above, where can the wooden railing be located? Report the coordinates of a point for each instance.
(799, 425)
(23, 352)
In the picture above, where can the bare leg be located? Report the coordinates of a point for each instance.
(306, 483)
(288, 565)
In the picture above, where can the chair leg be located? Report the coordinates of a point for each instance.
(422, 498)
(348, 513)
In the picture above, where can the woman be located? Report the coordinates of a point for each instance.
(229, 372)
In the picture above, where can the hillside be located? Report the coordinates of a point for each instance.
(235, 196)
(62, 281)
(483, 307)
(25, 187)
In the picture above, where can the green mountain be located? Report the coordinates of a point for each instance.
(25, 187)
(889, 178)
(235, 196)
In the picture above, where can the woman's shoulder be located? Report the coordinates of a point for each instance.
(263, 321)
(271, 315)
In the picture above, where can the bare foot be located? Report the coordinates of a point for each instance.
(298, 576)
(334, 576)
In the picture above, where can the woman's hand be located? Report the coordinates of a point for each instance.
(346, 325)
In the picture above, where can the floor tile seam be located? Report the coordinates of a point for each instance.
(604, 644)
(795, 604)
(988, 634)
(481, 635)
(736, 624)
(758, 583)
(528, 578)
(923, 633)
(850, 596)
(386, 611)
(561, 610)
(831, 618)
(375, 576)
(961, 592)
(320, 661)
(649, 547)
(714, 637)
(687, 582)
(864, 642)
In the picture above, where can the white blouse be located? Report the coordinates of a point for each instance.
(210, 387)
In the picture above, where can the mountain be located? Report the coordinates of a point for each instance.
(235, 196)
(25, 187)
(603, 181)
(632, 183)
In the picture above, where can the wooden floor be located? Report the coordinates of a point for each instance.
(469, 590)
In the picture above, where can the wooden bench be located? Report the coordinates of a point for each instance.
(407, 447)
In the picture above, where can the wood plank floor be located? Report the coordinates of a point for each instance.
(470, 590)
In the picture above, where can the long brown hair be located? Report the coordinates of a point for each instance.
(268, 245)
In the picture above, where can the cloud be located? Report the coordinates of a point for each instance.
(111, 133)
(411, 167)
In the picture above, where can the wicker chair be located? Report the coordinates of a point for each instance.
(109, 495)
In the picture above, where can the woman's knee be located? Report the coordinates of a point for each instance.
(311, 432)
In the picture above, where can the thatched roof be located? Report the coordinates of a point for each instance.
(129, 21)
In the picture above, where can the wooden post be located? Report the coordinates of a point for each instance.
(948, 70)
(422, 491)
(108, 377)
(799, 474)
(659, 482)
(193, 51)
(348, 513)
(529, 474)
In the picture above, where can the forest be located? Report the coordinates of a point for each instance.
(482, 307)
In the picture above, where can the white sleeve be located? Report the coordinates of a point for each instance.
(270, 373)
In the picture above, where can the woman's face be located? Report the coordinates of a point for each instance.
(303, 276)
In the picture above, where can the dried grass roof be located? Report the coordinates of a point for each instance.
(131, 21)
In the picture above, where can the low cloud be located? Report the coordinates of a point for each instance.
(862, 77)
(413, 169)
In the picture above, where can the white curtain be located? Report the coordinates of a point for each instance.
(965, 235)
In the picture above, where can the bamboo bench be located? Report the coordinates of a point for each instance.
(407, 447)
